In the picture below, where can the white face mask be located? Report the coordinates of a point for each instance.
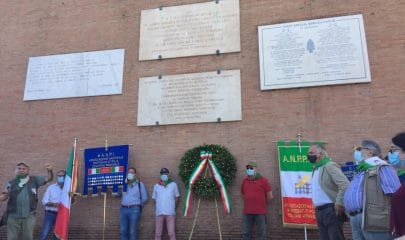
(131, 176)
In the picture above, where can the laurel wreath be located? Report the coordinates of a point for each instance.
(206, 187)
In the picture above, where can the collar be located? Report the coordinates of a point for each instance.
(370, 163)
(254, 177)
(22, 181)
(165, 183)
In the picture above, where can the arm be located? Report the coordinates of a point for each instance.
(4, 195)
(144, 193)
(269, 196)
(49, 171)
(341, 182)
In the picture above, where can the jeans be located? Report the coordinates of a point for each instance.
(47, 226)
(17, 225)
(129, 218)
(170, 222)
(249, 220)
(329, 225)
(359, 234)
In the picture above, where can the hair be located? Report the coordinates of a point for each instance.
(61, 171)
(373, 146)
(399, 140)
(131, 168)
(321, 149)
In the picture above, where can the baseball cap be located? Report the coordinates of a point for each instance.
(252, 164)
(164, 171)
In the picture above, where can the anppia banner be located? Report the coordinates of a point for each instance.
(105, 167)
(295, 180)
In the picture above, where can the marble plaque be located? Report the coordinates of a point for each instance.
(190, 98)
(75, 75)
(190, 30)
(312, 53)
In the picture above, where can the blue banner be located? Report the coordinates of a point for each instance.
(105, 167)
(349, 169)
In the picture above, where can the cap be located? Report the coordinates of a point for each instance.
(23, 163)
(399, 140)
(164, 171)
(252, 164)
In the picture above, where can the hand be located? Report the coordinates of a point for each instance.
(339, 210)
(3, 196)
(48, 167)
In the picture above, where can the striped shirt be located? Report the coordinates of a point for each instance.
(353, 198)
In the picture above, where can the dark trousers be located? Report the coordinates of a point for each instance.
(329, 225)
(248, 221)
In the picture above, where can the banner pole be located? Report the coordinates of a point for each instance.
(305, 231)
(105, 203)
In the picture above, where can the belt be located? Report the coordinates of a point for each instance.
(131, 206)
(322, 207)
(50, 211)
(355, 212)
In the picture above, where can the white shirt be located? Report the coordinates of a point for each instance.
(319, 197)
(165, 198)
(52, 194)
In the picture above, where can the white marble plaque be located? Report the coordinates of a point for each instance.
(75, 75)
(312, 53)
(190, 98)
(190, 30)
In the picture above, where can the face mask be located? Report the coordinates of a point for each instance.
(250, 172)
(393, 157)
(164, 177)
(312, 158)
(61, 179)
(131, 176)
(357, 156)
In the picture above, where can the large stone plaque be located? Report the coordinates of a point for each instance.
(190, 98)
(190, 30)
(315, 52)
(75, 75)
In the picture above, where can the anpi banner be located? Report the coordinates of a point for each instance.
(295, 180)
(105, 167)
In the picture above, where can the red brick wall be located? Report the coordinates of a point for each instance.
(43, 131)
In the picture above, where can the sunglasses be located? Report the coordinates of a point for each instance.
(249, 168)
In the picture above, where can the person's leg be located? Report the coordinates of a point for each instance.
(376, 235)
(333, 224)
(170, 224)
(49, 220)
(355, 224)
(159, 227)
(13, 228)
(247, 226)
(323, 231)
(133, 222)
(124, 223)
(28, 225)
(261, 223)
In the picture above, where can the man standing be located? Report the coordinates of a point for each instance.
(51, 202)
(131, 205)
(166, 195)
(22, 192)
(367, 198)
(256, 192)
(328, 187)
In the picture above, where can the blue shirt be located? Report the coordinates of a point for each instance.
(132, 196)
(353, 198)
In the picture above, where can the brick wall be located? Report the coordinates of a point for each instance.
(43, 131)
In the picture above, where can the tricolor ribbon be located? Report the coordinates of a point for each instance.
(206, 160)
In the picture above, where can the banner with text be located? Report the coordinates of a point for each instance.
(295, 180)
(105, 167)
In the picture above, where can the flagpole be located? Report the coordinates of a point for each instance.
(73, 173)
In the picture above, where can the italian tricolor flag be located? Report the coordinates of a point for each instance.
(296, 179)
(70, 185)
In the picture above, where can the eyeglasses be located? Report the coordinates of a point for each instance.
(361, 148)
(249, 168)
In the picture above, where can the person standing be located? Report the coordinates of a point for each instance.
(166, 195)
(22, 192)
(51, 200)
(131, 205)
(367, 199)
(397, 213)
(256, 193)
(328, 187)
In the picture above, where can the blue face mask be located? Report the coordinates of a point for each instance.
(61, 179)
(164, 177)
(357, 156)
(393, 157)
(250, 172)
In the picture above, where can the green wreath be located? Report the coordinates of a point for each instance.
(205, 186)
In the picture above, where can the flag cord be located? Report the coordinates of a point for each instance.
(219, 224)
